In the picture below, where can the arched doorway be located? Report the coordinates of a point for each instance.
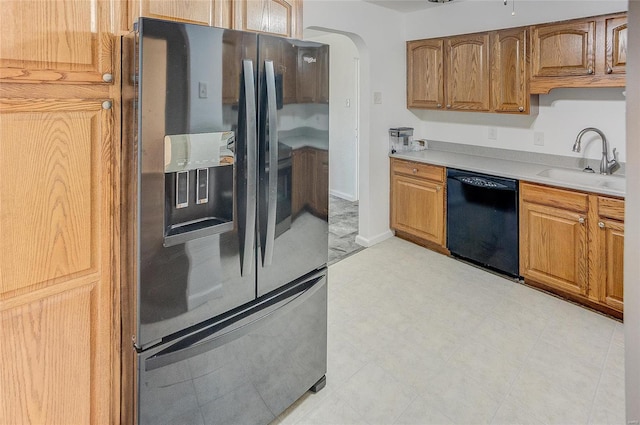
(344, 126)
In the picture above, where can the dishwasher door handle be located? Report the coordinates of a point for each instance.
(481, 182)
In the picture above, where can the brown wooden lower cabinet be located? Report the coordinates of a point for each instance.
(572, 243)
(58, 272)
(417, 201)
(608, 252)
(310, 180)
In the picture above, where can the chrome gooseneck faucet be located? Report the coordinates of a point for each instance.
(606, 166)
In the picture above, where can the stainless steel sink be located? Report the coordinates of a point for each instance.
(611, 182)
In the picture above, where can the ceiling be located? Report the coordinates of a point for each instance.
(407, 5)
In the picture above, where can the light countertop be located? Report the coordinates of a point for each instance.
(521, 170)
(304, 142)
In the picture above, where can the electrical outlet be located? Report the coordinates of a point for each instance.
(493, 133)
(538, 138)
(202, 90)
(347, 103)
(377, 97)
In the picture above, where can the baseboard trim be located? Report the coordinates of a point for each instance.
(367, 242)
(342, 195)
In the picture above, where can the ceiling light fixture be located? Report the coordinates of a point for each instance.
(439, 1)
(513, 4)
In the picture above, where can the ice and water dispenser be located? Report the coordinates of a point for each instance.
(198, 172)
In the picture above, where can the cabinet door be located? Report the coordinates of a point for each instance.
(289, 66)
(57, 281)
(278, 17)
(425, 74)
(321, 182)
(509, 86)
(198, 11)
(307, 75)
(566, 49)
(612, 262)
(616, 41)
(300, 172)
(56, 41)
(323, 75)
(468, 72)
(418, 208)
(553, 247)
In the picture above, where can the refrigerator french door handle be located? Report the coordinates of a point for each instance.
(252, 167)
(238, 328)
(273, 163)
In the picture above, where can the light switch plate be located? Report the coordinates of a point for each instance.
(377, 97)
(202, 90)
(492, 133)
(538, 138)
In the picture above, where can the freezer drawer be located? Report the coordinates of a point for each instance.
(245, 369)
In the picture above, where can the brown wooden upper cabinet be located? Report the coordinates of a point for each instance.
(616, 45)
(484, 72)
(589, 52)
(278, 17)
(311, 88)
(467, 72)
(509, 71)
(562, 50)
(205, 12)
(425, 74)
(50, 41)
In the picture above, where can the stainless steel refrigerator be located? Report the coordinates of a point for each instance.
(227, 196)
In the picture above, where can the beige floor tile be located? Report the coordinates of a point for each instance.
(376, 395)
(547, 401)
(493, 369)
(461, 398)
(511, 413)
(505, 337)
(418, 338)
(333, 410)
(423, 412)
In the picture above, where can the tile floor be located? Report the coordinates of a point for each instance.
(343, 228)
(416, 337)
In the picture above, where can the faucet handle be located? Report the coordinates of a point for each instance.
(615, 154)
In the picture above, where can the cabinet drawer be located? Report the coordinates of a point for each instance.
(417, 169)
(559, 198)
(611, 208)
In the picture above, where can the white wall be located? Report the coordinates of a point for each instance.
(378, 35)
(562, 113)
(343, 147)
(632, 224)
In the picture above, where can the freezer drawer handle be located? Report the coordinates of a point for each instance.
(235, 327)
(273, 159)
(250, 120)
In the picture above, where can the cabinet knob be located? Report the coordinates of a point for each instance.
(107, 78)
(439, 105)
(521, 109)
(590, 71)
(448, 106)
(438, 188)
(609, 70)
(415, 170)
(601, 224)
(106, 104)
(581, 220)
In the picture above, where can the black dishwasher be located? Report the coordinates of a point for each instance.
(482, 220)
